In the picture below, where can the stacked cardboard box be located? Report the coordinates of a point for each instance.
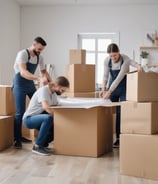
(6, 131)
(80, 75)
(7, 112)
(139, 127)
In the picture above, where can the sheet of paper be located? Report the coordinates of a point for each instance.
(81, 103)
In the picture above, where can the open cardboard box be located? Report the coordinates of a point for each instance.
(83, 131)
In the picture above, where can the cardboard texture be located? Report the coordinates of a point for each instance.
(81, 94)
(139, 118)
(114, 122)
(7, 101)
(77, 56)
(83, 132)
(6, 131)
(30, 133)
(81, 77)
(142, 87)
(139, 155)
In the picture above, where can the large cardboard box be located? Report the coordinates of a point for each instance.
(83, 132)
(139, 155)
(81, 77)
(77, 56)
(81, 94)
(139, 118)
(7, 100)
(6, 131)
(142, 87)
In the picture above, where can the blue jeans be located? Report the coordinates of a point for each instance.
(20, 104)
(43, 123)
(116, 97)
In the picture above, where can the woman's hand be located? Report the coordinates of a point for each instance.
(101, 94)
(107, 94)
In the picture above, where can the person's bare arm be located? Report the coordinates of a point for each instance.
(26, 74)
(46, 75)
(45, 106)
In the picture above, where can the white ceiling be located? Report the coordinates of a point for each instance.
(69, 2)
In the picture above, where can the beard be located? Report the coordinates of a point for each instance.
(58, 92)
(36, 53)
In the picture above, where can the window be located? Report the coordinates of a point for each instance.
(95, 45)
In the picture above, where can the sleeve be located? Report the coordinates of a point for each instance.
(22, 57)
(130, 61)
(124, 70)
(106, 69)
(41, 63)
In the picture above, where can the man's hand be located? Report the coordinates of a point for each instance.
(44, 80)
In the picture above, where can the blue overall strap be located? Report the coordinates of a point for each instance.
(30, 56)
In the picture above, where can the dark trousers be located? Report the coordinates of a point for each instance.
(20, 104)
(116, 98)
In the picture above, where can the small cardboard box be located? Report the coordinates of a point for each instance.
(139, 118)
(83, 132)
(77, 56)
(139, 155)
(142, 87)
(30, 133)
(7, 100)
(81, 77)
(81, 94)
(6, 131)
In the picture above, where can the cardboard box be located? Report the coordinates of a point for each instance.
(83, 132)
(142, 87)
(139, 155)
(77, 56)
(81, 94)
(29, 133)
(7, 100)
(114, 122)
(6, 131)
(139, 118)
(81, 77)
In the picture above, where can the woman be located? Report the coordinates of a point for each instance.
(116, 66)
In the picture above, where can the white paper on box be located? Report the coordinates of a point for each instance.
(82, 103)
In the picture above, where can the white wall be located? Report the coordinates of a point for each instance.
(59, 25)
(9, 37)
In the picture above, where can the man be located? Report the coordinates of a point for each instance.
(39, 116)
(116, 66)
(25, 65)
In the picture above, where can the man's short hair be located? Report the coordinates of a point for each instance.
(62, 81)
(40, 40)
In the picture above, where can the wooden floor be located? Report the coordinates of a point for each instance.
(24, 167)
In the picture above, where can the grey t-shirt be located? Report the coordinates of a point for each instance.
(35, 105)
(124, 69)
(22, 57)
